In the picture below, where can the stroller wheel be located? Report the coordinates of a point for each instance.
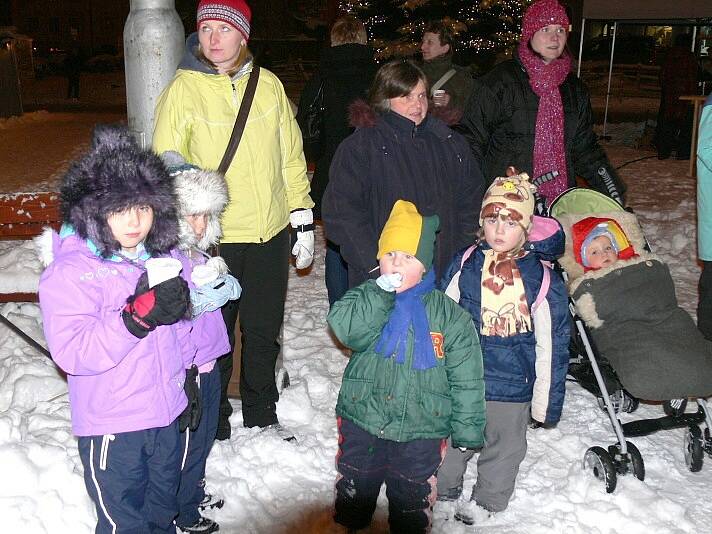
(633, 463)
(675, 407)
(636, 461)
(694, 455)
(599, 462)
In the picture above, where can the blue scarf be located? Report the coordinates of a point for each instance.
(410, 310)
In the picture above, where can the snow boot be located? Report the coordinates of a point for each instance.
(201, 526)
(282, 432)
(471, 513)
(675, 407)
(210, 501)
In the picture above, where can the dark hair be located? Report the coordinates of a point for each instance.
(395, 78)
(443, 31)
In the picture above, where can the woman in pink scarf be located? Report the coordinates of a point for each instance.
(533, 114)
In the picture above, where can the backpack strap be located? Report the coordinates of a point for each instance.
(545, 283)
(442, 81)
(453, 288)
(467, 254)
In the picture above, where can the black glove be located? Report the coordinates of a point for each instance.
(167, 303)
(190, 418)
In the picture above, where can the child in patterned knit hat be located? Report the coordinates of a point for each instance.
(415, 378)
(520, 308)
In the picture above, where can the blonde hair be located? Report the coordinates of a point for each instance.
(348, 29)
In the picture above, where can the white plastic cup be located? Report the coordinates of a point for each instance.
(162, 269)
(438, 95)
(203, 274)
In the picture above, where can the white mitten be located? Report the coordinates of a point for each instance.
(303, 222)
(218, 263)
(389, 282)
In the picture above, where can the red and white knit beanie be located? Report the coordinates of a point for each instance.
(235, 12)
(542, 13)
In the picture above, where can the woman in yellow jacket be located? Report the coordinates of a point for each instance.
(267, 185)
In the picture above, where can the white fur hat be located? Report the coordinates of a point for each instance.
(199, 191)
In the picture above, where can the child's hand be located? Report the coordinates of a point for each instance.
(214, 295)
(166, 303)
(389, 282)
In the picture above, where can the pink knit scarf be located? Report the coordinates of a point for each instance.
(549, 146)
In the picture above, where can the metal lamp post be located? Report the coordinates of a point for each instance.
(153, 45)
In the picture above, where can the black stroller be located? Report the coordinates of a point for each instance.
(617, 376)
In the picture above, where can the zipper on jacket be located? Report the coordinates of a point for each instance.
(234, 94)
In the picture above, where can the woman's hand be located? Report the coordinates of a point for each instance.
(511, 171)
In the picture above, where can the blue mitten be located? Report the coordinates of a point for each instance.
(389, 282)
(215, 294)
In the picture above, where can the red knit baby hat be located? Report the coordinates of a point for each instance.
(540, 14)
(235, 12)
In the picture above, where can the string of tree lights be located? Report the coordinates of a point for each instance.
(482, 27)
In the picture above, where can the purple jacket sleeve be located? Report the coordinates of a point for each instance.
(86, 336)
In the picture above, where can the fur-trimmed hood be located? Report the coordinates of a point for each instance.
(112, 176)
(199, 191)
(363, 115)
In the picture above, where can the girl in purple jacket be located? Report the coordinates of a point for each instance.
(202, 197)
(120, 342)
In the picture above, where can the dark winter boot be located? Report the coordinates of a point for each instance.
(210, 501)
(201, 526)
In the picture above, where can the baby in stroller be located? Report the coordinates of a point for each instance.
(627, 298)
(637, 338)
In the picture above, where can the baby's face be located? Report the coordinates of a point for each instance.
(600, 253)
(408, 266)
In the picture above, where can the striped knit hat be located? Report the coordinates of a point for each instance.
(235, 12)
(408, 231)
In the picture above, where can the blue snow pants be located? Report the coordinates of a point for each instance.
(364, 462)
(195, 447)
(132, 478)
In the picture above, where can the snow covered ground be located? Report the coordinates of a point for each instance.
(271, 486)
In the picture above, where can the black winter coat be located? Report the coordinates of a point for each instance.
(347, 72)
(499, 121)
(429, 165)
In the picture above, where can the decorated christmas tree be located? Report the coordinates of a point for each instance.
(485, 28)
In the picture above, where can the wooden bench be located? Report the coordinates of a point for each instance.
(24, 216)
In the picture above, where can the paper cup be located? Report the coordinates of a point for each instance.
(203, 274)
(162, 269)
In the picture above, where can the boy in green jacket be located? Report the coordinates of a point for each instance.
(414, 379)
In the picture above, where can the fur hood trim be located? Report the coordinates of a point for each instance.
(643, 257)
(362, 115)
(199, 191)
(44, 244)
(113, 176)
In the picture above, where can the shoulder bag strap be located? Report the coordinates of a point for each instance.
(241, 120)
(442, 81)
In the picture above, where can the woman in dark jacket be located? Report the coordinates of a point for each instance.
(345, 73)
(532, 113)
(399, 152)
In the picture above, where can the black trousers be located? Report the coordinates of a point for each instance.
(365, 462)
(704, 305)
(262, 270)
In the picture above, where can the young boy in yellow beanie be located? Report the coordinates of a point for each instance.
(415, 378)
